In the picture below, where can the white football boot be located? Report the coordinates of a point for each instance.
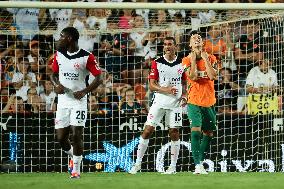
(199, 169)
(136, 167)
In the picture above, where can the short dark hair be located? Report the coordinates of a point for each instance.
(170, 38)
(72, 32)
(193, 32)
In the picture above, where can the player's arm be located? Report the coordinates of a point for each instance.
(210, 70)
(54, 77)
(184, 93)
(93, 67)
(191, 72)
(154, 86)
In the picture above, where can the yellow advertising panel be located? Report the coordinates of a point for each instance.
(262, 104)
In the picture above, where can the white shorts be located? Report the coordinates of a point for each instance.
(65, 117)
(173, 117)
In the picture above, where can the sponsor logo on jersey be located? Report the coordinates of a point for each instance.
(71, 76)
(176, 79)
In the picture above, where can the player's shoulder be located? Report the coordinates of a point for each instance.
(80, 53)
(163, 61)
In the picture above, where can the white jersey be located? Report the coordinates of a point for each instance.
(257, 78)
(168, 73)
(73, 69)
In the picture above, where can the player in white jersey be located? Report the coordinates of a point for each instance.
(70, 67)
(166, 80)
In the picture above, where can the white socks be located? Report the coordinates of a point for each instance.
(76, 164)
(142, 147)
(175, 147)
(70, 152)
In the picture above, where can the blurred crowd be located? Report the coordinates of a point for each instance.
(125, 41)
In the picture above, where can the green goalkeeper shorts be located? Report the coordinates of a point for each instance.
(204, 117)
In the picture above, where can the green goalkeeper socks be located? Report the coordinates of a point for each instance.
(195, 146)
(204, 147)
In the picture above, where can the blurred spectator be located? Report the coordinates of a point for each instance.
(97, 19)
(137, 42)
(144, 13)
(150, 49)
(23, 79)
(6, 24)
(227, 91)
(49, 96)
(113, 50)
(16, 53)
(228, 61)
(78, 21)
(173, 12)
(62, 18)
(26, 20)
(178, 30)
(35, 102)
(108, 87)
(45, 21)
(158, 18)
(262, 79)
(128, 104)
(37, 61)
(125, 18)
(93, 104)
(273, 30)
(249, 47)
(15, 104)
(215, 43)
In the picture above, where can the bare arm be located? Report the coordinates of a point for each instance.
(192, 73)
(154, 86)
(58, 87)
(97, 81)
(211, 72)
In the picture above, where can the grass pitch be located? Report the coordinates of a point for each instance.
(184, 180)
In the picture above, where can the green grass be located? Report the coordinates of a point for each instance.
(184, 180)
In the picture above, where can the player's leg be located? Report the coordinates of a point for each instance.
(142, 147)
(62, 127)
(62, 135)
(63, 139)
(173, 120)
(77, 121)
(154, 117)
(208, 126)
(143, 142)
(77, 139)
(195, 119)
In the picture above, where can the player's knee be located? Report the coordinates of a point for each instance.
(208, 133)
(148, 132)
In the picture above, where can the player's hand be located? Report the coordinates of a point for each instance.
(59, 89)
(204, 55)
(170, 90)
(193, 56)
(183, 101)
(79, 94)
